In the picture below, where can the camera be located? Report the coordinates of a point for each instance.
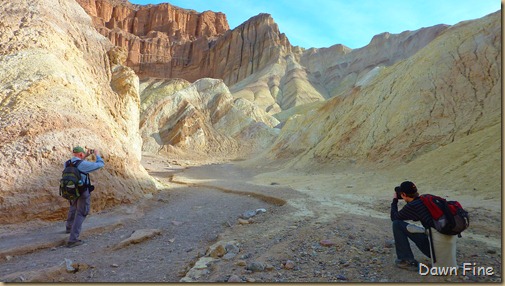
(91, 151)
(398, 192)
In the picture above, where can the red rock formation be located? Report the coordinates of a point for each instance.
(247, 49)
(169, 42)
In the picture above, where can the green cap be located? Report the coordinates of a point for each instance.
(78, 149)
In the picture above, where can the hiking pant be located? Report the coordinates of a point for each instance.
(78, 211)
(402, 245)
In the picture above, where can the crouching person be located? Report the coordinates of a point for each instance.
(402, 231)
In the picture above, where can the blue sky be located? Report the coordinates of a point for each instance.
(353, 23)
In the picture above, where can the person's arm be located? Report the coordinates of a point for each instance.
(88, 167)
(408, 212)
(394, 209)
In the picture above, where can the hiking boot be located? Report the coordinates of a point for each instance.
(74, 243)
(407, 264)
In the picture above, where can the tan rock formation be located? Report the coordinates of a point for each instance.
(318, 74)
(201, 119)
(339, 69)
(447, 95)
(178, 43)
(58, 89)
(254, 59)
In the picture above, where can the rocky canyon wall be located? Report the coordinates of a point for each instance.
(61, 85)
(339, 69)
(175, 49)
(201, 120)
(165, 41)
(254, 59)
(444, 100)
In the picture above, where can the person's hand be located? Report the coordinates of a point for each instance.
(395, 196)
(97, 153)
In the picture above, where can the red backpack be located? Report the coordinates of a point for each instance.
(449, 217)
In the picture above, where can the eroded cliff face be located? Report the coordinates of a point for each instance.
(436, 114)
(164, 41)
(340, 69)
(169, 42)
(62, 85)
(254, 59)
(201, 120)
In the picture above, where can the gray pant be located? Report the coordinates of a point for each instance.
(78, 211)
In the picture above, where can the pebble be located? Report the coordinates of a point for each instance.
(234, 279)
(115, 265)
(230, 247)
(389, 243)
(229, 256)
(327, 243)
(290, 264)
(241, 263)
(248, 214)
(246, 256)
(491, 251)
(68, 264)
(217, 251)
(341, 277)
(243, 221)
(256, 266)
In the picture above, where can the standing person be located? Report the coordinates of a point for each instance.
(402, 231)
(80, 207)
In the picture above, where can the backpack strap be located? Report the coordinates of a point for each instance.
(87, 182)
(73, 164)
(77, 163)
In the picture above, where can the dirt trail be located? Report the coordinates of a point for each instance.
(302, 236)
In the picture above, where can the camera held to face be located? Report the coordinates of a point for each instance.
(398, 192)
(91, 151)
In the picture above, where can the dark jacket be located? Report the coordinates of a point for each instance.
(415, 210)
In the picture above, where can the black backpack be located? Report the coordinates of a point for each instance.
(71, 183)
(449, 217)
